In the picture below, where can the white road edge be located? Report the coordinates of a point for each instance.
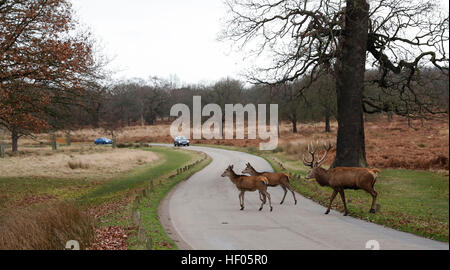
(203, 213)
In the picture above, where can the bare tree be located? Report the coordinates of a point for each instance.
(226, 91)
(305, 37)
(286, 95)
(324, 97)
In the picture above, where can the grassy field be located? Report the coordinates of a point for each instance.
(400, 143)
(106, 200)
(169, 160)
(413, 201)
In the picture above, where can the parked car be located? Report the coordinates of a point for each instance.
(181, 141)
(103, 141)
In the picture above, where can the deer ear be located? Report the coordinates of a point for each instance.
(231, 166)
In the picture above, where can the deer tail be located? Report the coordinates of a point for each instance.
(288, 176)
(264, 180)
(375, 173)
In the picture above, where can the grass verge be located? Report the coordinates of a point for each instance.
(148, 208)
(163, 178)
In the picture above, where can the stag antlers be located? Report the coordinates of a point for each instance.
(312, 151)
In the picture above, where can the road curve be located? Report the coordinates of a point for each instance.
(203, 213)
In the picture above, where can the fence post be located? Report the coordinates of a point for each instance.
(68, 139)
(54, 141)
(2, 149)
(113, 141)
(137, 218)
(141, 235)
(149, 243)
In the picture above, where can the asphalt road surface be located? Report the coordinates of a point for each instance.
(203, 213)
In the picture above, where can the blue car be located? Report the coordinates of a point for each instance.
(181, 140)
(103, 141)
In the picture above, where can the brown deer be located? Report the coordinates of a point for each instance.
(249, 183)
(341, 178)
(275, 179)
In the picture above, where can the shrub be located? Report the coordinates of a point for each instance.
(78, 164)
(47, 227)
(123, 145)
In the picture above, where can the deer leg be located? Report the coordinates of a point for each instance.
(262, 197)
(331, 201)
(263, 200)
(270, 201)
(374, 198)
(293, 193)
(285, 192)
(341, 192)
(241, 199)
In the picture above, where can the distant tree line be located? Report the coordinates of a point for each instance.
(140, 102)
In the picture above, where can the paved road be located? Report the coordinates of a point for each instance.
(203, 213)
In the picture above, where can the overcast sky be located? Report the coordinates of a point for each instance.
(163, 38)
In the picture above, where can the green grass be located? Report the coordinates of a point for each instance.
(169, 160)
(87, 193)
(411, 200)
(148, 208)
(15, 189)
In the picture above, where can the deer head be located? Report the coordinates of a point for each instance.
(248, 169)
(228, 171)
(314, 165)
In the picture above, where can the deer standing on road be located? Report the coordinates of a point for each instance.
(341, 178)
(249, 183)
(275, 179)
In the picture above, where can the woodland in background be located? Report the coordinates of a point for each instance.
(140, 102)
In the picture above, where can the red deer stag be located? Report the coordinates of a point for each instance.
(249, 183)
(341, 178)
(275, 179)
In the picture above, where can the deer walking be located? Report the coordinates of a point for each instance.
(249, 183)
(341, 178)
(275, 179)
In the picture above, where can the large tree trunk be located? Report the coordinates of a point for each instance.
(14, 141)
(294, 122)
(350, 69)
(327, 120)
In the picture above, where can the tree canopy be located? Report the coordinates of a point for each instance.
(46, 60)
